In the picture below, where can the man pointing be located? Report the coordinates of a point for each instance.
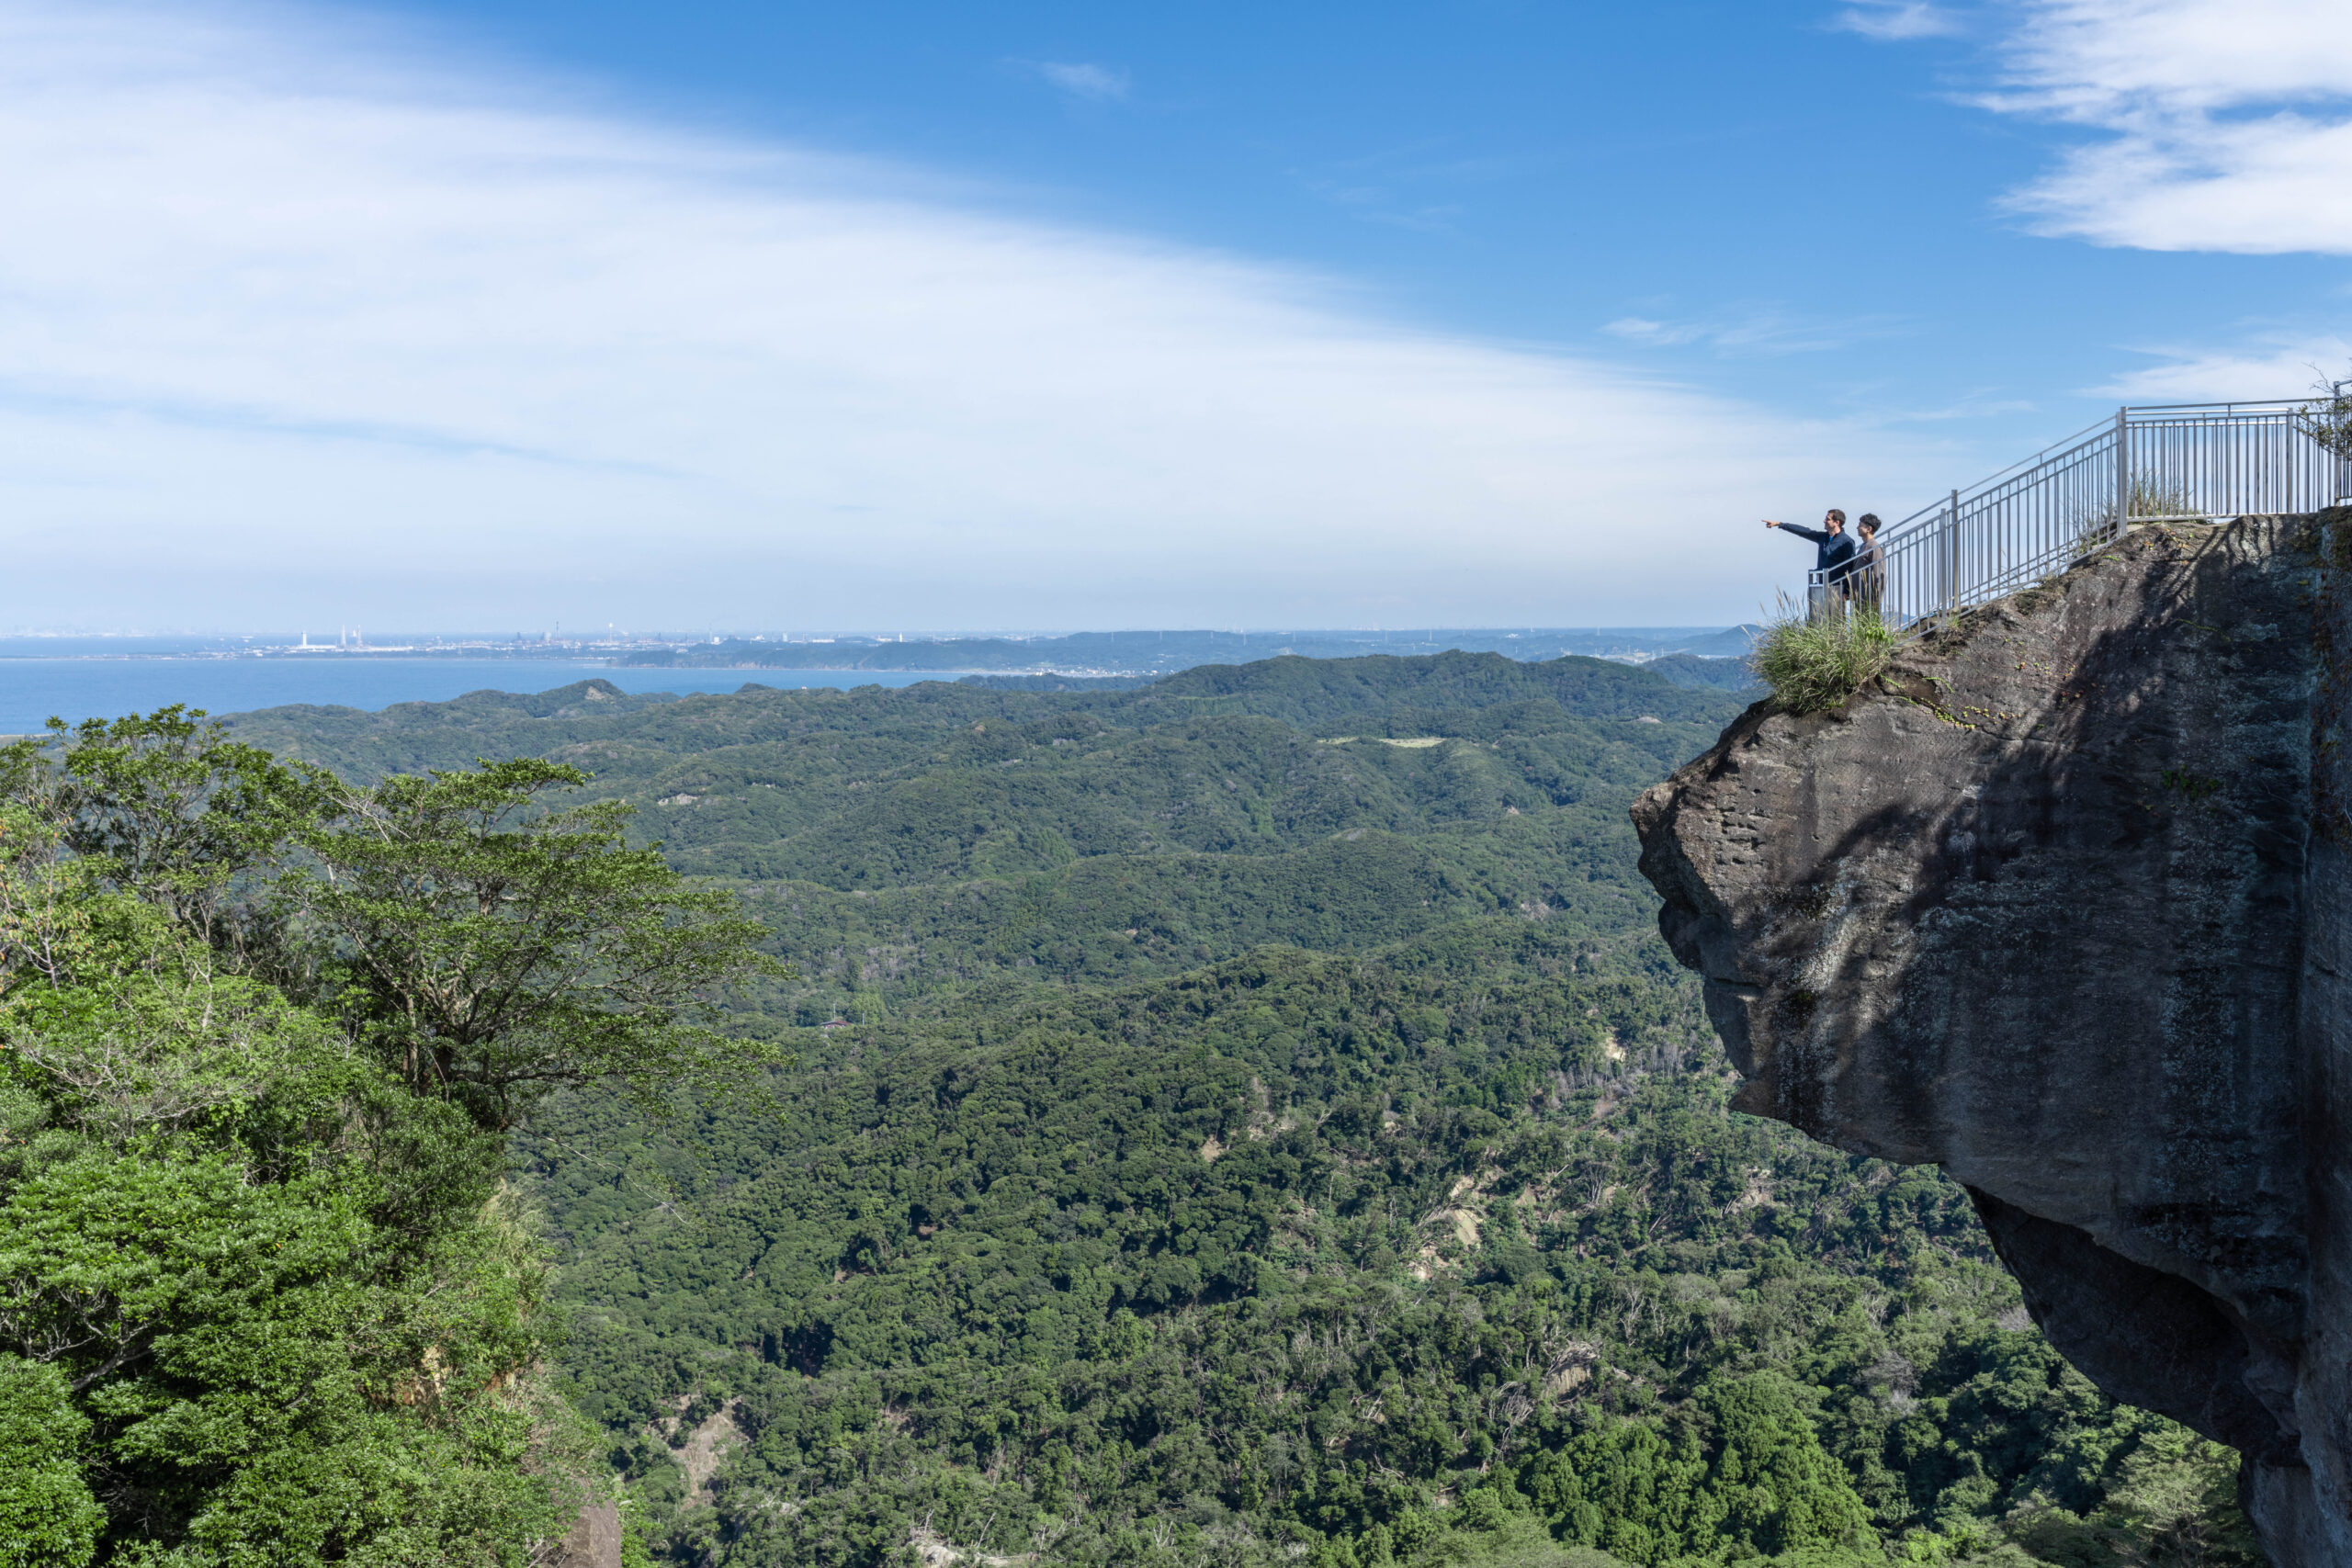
(1836, 549)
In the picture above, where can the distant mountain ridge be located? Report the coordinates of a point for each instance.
(1160, 652)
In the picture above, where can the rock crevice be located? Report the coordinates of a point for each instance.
(2061, 905)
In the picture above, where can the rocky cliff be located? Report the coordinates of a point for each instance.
(2062, 904)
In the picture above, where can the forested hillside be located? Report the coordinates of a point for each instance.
(1250, 1118)
(904, 840)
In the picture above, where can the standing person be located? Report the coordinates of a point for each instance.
(1866, 573)
(1836, 549)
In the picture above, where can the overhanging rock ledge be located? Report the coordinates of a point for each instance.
(2062, 904)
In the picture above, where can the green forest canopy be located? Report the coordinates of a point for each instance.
(1247, 1118)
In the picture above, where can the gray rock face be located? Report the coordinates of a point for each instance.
(2062, 905)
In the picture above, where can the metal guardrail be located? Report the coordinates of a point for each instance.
(2036, 518)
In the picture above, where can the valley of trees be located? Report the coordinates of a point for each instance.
(1245, 1119)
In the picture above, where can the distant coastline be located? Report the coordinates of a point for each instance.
(74, 678)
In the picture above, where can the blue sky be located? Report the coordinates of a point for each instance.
(824, 318)
(1795, 202)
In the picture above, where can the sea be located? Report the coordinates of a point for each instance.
(78, 678)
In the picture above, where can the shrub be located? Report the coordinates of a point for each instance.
(1815, 661)
(2327, 418)
(47, 1515)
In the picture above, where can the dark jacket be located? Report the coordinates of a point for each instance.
(1836, 549)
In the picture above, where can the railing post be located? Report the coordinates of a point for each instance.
(2123, 470)
(2340, 470)
(1951, 557)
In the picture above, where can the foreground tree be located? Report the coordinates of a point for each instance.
(265, 1296)
(166, 807)
(488, 950)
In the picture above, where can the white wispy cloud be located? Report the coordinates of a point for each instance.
(1897, 20)
(2219, 125)
(1096, 83)
(1377, 204)
(2276, 365)
(1753, 332)
(2201, 125)
(1645, 328)
(291, 323)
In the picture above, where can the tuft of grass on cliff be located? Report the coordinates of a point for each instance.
(1813, 661)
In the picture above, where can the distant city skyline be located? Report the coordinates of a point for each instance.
(437, 314)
